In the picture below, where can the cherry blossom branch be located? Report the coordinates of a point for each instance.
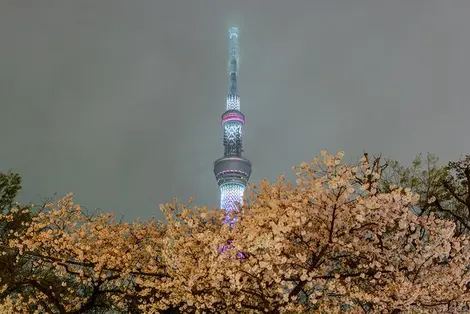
(63, 262)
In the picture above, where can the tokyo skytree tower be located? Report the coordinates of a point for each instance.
(232, 171)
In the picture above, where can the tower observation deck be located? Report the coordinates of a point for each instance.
(232, 171)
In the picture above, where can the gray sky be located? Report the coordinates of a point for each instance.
(120, 101)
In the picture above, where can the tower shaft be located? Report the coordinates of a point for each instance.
(232, 171)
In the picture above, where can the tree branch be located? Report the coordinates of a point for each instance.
(460, 219)
(451, 190)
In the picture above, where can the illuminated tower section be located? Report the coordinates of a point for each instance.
(232, 171)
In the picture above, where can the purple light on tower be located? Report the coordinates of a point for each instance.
(232, 171)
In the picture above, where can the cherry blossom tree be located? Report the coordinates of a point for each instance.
(79, 263)
(333, 241)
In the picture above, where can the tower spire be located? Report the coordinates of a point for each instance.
(234, 59)
(232, 171)
(233, 99)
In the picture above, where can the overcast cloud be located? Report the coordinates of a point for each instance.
(120, 101)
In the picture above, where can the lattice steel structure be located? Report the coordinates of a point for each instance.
(232, 171)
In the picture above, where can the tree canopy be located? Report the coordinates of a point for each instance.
(338, 239)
